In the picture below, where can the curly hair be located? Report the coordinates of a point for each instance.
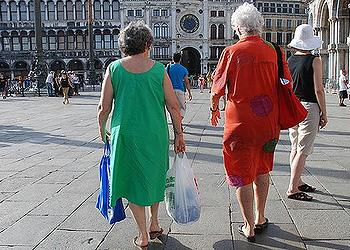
(248, 19)
(135, 38)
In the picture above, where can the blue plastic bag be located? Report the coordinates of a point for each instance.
(112, 214)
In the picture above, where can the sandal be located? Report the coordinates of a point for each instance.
(139, 246)
(249, 238)
(301, 196)
(306, 188)
(155, 234)
(260, 227)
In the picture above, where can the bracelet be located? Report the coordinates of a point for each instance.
(214, 110)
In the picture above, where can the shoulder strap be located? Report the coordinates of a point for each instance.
(279, 60)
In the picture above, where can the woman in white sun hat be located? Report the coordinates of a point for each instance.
(306, 70)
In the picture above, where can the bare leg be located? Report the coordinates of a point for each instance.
(140, 218)
(292, 156)
(297, 168)
(245, 196)
(154, 226)
(261, 190)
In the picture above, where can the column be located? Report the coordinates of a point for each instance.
(173, 27)
(110, 9)
(56, 14)
(338, 50)
(83, 9)
(8, 12)
(17, 8)
(74, 11)
(205, 37)
(28, 10)
(65, 10)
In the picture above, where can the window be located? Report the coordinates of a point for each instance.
(44, 41)
(61, 42)
(299, 22)
(156, 52)
(279, 9)
(25, 43)
(164, 13)
(221, 13)
(32, 41)
(220, 50)
(288, 37)
(106, 12)
(279, 38)
(266, 7)
(13, 11)
(130, 13)
(107, 40)
(60, 10)
(115, 41)
(31, 11)
(213, 31)
(98, 41)
(22, 11)
(279, 23)
(156, 13)
(70, 40)
(97, 10)
(51, 10)
(15, 43)
(79, 10)
(290, 9)
(3, 11)
(221, 33)
(51, 40)
(164, 30)
(80, 41)
(268, 23)
(69, 6)
(138, 13)
(213, 54)
(284, 8)
(272, 7)
(297, 9)
(115, 10)
(268, 36)
(213, 13)
(289, 24)
(156, 30)
(6, 41)
(165, 52)
(260, 7)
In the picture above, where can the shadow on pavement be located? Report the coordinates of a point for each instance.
(223, 244)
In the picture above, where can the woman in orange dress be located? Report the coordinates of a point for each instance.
(248, 69)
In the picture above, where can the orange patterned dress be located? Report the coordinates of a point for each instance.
(248, 69)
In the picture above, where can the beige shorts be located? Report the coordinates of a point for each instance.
(302, 136)
(181, 97)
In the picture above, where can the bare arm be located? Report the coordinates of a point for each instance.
(319, 90)
(172, 106)
(105, 105)
(188, 87)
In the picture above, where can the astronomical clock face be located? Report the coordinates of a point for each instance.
(189, 23)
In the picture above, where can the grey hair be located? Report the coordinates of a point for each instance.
(248, 19)
(135, 38)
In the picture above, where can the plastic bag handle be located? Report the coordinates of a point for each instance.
(107, 148)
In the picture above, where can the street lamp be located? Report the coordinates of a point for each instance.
(39, 68)
(92, 73)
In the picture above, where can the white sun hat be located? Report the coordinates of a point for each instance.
(304, 38)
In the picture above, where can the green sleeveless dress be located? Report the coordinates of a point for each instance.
(139, 136)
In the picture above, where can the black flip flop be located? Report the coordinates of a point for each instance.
(139, 246)
(155, 234)
(307, 188)
(249, 238)
(300, 196)
(260, 227)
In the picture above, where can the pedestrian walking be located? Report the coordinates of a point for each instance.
(209, 79)
(3, 85)
(306, 70)
(343, 86)
(50, 84)
(140, 89)
(251, 129)
(179, 78)
(76, 82)
(65, 84)
(201, 83)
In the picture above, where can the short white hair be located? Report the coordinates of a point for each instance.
(248, 19)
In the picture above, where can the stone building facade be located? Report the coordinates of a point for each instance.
(331, 21)
(200, 29)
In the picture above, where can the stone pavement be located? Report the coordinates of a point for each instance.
(49, 156)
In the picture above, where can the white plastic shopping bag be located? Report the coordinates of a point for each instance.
(181, 193)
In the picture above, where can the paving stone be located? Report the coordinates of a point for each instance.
(206, 241)
(43, 225)
(335, 224)
(86, 217)
(4, 175)
(327, 244)
(80, 165)
(73, 240)
(16, 247)
(36, 192)
(37, 171)
(5, 195)
(15, 184)
(61, 177)
(276, 236)
(59, 204)
(13, 211)
(213, 190)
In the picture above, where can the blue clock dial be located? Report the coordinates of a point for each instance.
(189, 23)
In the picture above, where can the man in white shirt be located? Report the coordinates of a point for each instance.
(343, 82)
(50, 84)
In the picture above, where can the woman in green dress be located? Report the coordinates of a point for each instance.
(139, 89)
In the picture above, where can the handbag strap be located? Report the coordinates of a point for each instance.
(279, 60)
(107, 148)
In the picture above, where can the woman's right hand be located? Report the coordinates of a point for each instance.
(179, 143)
(323, 121)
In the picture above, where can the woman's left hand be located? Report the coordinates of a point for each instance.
(215, 116)
(179, 144)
